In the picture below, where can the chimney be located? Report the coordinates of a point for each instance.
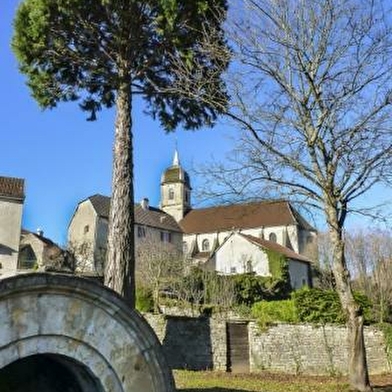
(40, 232)
(145, 203)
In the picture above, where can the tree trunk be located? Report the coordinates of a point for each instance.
(357, 366)
(120, 263)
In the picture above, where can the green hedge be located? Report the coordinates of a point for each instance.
(323, 306)
(267, 312)
(309, 305)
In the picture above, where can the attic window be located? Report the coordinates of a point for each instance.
(205, 245)
(272, 237)
(171, 194)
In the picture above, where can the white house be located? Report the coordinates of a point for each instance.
(243, 253)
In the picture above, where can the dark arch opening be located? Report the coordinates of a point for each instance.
(48, 373)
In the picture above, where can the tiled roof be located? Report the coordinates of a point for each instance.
(12, 187)
(242, 216)
(276, 247)
(152, 217)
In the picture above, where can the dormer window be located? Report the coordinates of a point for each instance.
(171, 194)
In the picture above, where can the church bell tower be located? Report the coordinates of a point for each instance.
(175, 190)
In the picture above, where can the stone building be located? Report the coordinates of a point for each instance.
(229, 239)
(235, 238)
(11, 208)
(38, 253)
(88, 231)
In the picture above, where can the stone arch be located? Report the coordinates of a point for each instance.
(81, 326)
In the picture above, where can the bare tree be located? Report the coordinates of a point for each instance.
(310, 88)
(158, 266)
(369, 256)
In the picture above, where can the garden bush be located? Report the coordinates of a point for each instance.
(267, 312)
(144, 299)
(323, 306)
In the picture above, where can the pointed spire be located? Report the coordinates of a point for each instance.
(176, 158)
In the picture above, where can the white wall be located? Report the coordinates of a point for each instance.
(236, 252)
(10, 228)
(281, 233)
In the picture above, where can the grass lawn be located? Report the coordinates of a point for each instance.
(187, 381)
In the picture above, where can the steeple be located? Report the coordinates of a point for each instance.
(175, 189)
(176, 158)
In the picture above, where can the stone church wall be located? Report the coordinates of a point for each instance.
(200, 343)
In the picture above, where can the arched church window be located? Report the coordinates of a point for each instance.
(171, 194)
(205, 245)
(272, 237)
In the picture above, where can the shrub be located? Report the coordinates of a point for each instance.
(144, 299)
(267, 312)
(250, 288)
(323, 306)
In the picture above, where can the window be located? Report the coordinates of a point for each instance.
(184, 247)
(166, 236)
(86, 229)
(205, 245)
(171, 194)
(309, 239)
(141, 232)
(272, 237)
(27, 258)
(233, 270)
(249, 267)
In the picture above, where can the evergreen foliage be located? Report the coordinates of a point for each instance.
(267, 312)
(323, 306)
(144, 299)
(104, 52)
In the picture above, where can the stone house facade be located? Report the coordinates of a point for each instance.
(11, 209)
(88, 231)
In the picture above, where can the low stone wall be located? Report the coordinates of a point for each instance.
(191, 343)
(311, 349)
(201, 343)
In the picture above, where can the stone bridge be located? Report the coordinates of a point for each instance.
(60, 333)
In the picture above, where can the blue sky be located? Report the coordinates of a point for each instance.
(64, 159)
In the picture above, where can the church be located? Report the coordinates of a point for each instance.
(229, 239)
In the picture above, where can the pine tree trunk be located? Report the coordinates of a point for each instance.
(357, 366)
(120, 263)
